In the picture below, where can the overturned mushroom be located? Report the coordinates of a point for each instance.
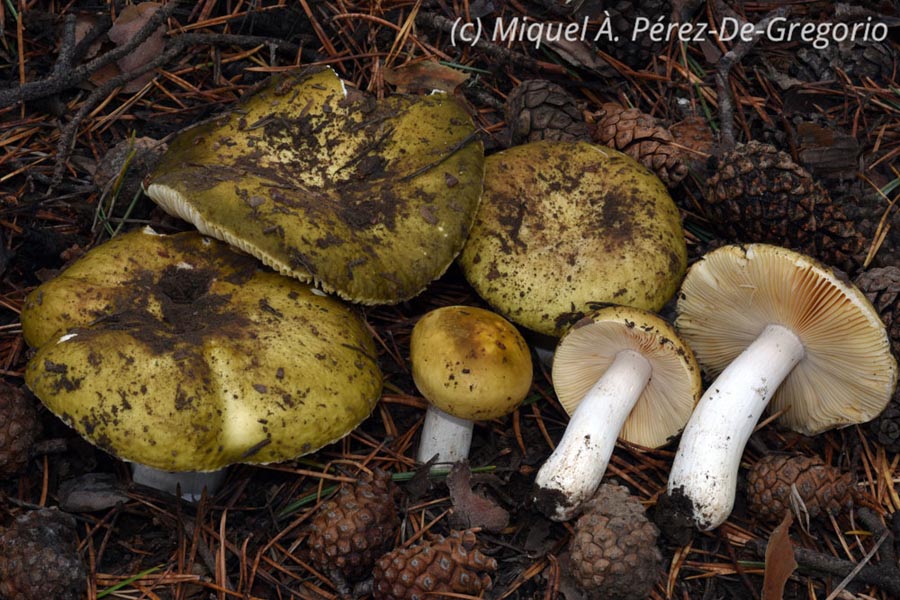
(182, 355)
(619, 372)
(778, 329)
(369, 199)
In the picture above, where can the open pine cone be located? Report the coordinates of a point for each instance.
(821, 488)
(443, 565)
(356, 526)
(613, 552)
(759, 194)
(635, 50)
(39, 558)
(642, 137)
(542, 110)
(19, 427)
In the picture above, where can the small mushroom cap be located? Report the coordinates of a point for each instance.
(197, 359)
(591, 345)
(566, 226)
(848, 374)
(470, 362)
(369, 200)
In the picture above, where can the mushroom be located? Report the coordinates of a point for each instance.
(565, 227)
(471, 365)
(182, 355)
(368, 199)
(777, 329)
(619, 372)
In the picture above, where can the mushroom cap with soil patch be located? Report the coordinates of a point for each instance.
(371, 200)
(779, 330)
(566, 226)
(179, 353)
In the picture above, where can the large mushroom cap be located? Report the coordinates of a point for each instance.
(848, 373)
(370, 200)
(192, 358)
(591, 345)
(470, 363)
(565, 226)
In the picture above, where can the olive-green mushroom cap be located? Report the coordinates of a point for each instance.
(590, 346)
(179, 353)
(371, 200)
(470, 363)
(566, 226)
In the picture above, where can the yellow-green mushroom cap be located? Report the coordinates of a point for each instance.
(566, 226)
(469, 362)
(371, 200)
(590, 346)
(192, 358)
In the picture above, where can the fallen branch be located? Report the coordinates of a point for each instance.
(723, 72)
(885, 575)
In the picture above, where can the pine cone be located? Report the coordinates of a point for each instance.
(639, 51)
(19, 427)
(858, 59)
(542, 110)
(356, 526)
(613, 552)
(821, 487)
(443, 565)
(695, 141)
(642, 137)
(40, 558)
(881, 286)
(758, 194)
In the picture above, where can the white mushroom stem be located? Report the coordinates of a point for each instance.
(190, 483)
(706, 464)
(573, 472)
(444, 435)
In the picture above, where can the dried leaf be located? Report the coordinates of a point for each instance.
(84, 23)
(424, 76)
(780, 561)
(129, 22)
(470, 508)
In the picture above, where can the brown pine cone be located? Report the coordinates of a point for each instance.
(635, 50)
(19, 427)
(642, 137)
(695, 142)
(613, 552)
(881, 286)
(39, 558)
(443, 565)
(356, 526)
(541, 110)
(821, 487)
(858, 59)
(759, 194)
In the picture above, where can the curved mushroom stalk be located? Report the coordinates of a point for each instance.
(706, 464)
(444, 435)
(573, 472)
(189, 483)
